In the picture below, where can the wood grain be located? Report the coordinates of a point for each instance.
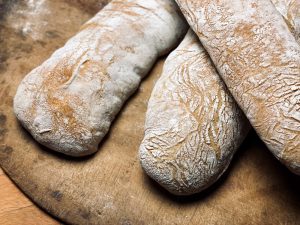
(16, 208)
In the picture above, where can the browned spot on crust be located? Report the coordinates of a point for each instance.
(89, 25)
(214, 144)
(245, 30)
(61, 109)
(254, 5)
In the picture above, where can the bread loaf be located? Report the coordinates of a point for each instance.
(259, 60)
(193, 125)
(69, 102)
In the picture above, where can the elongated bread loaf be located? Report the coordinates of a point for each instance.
(259, 60)
(193, 125)
(69, 102)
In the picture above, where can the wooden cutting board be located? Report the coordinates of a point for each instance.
(16, 208)
(110, 186)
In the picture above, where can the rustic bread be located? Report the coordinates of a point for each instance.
(69, 102)
(259, 60)
(290, 10)
(193, 125)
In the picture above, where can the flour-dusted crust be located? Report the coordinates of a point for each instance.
(69, 102)
(193, 125)
(290, 10)
(259, 60)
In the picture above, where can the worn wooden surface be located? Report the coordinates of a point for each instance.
(110, 187)
(16, 208)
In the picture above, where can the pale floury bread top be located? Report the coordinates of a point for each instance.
(259, 60)
(193, 125)
(69, 102)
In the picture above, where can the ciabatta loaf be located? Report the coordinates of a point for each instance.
(193, 125)
(259, 60)
(69, 102)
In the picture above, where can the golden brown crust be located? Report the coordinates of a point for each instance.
(259, 60)
(69, 102)
(193, 125)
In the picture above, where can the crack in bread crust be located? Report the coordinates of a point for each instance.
(259, 60)
(188, 151)
(69, 102)
(193, 125)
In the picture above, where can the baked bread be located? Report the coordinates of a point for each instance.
(193, 125)
(69, 102)
(290, 10)
(259, 60)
